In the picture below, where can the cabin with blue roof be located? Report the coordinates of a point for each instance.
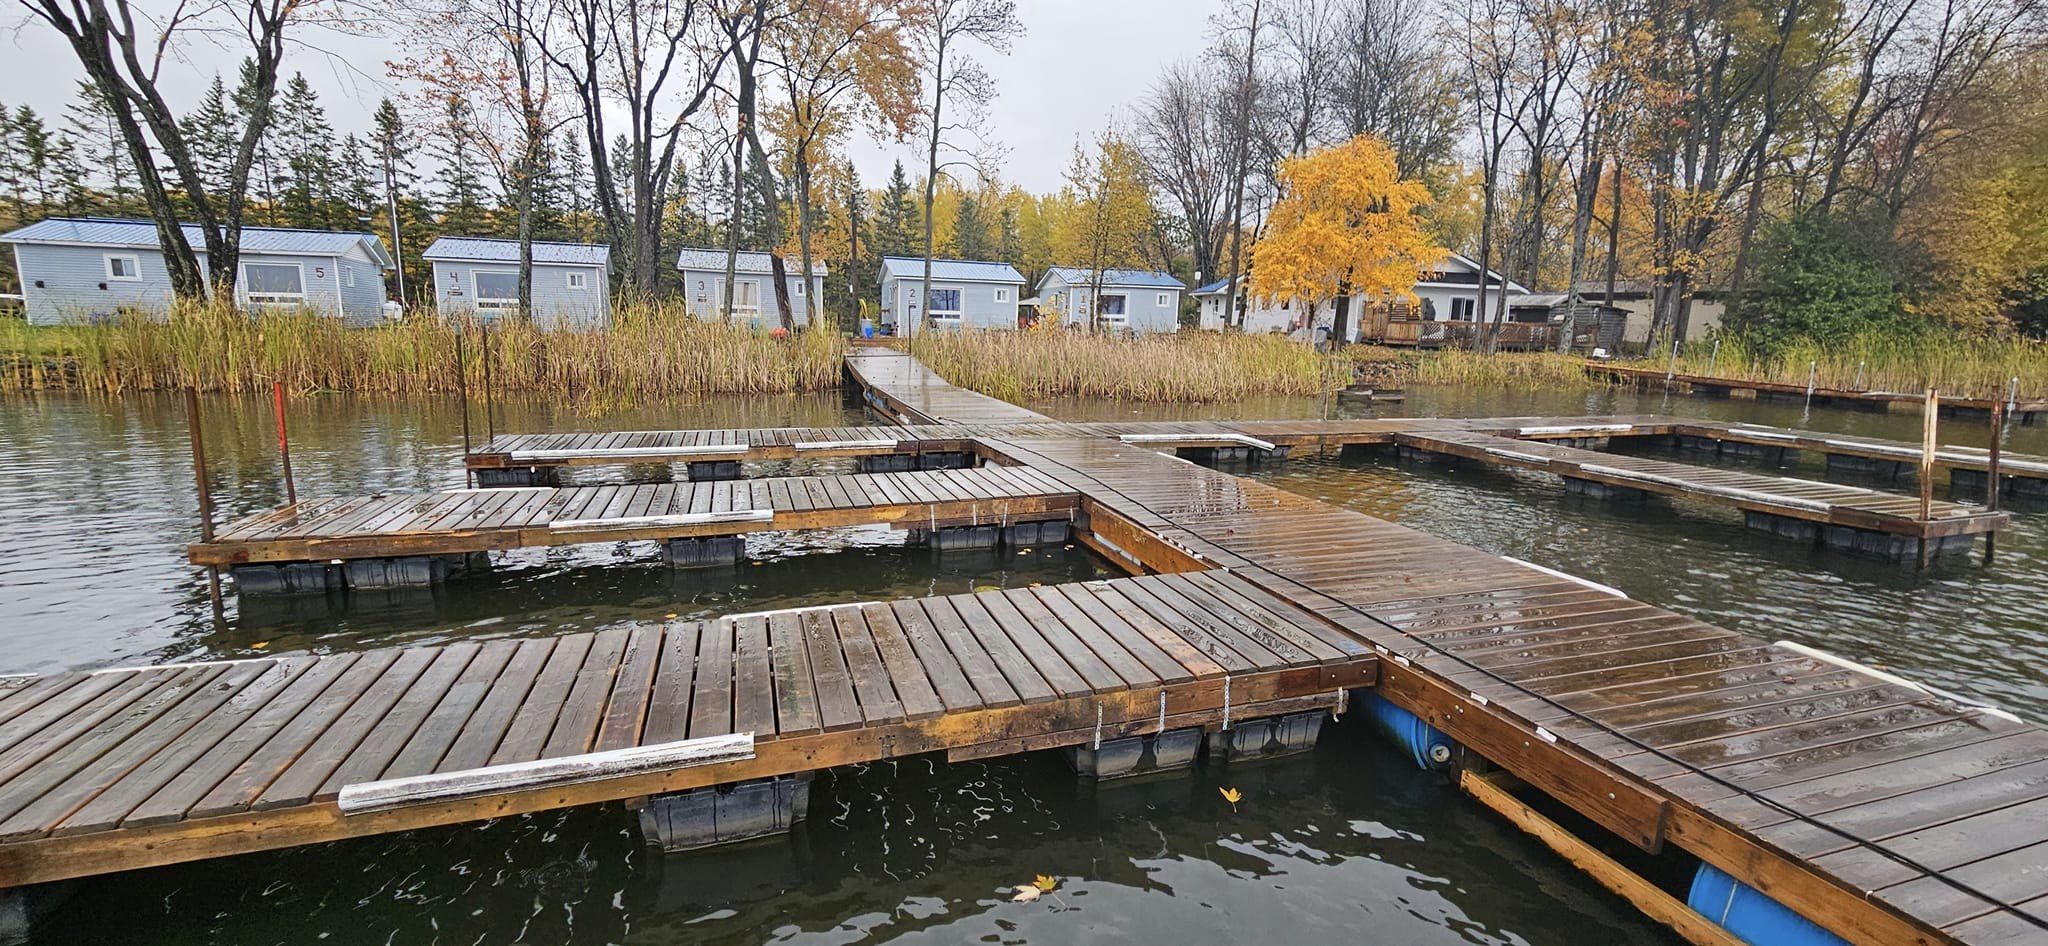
(753, 287)
(1134, 301)
(478, 277)
(86, 269)
(965, 294)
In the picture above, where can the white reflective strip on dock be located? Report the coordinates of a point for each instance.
(1249, 441)
(1893, 678)
(1575, 429)
(1735, 492)
(1568, 576)
(846, 445)
(683, 519)
(363, 797)
(715, 450)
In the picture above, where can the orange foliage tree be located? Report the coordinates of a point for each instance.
(1346, 224)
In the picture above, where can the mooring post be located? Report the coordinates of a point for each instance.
(2012, 395)
(1812, 373)
(490, 392)
(284, 443)
(462, 393)
(1714, 359)
(1859, 376)
(205, 494)
(1991, 476)
(1930, 417)
(1671, 369)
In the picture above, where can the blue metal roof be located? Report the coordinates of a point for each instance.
(497, 250)
(1217, 286)
(1120, 278)
(959, 270)
(699, 259)
(141, 234)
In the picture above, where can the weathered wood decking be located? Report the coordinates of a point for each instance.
(476, 520)
(2021, 408)
(1806, 500)
(1887, 812)
(128, 768)
(1884, 812)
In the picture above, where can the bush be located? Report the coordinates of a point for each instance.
(1824, 280)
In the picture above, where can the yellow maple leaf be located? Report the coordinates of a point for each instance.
(259, 645)
(1231, 795)
(1045, 882)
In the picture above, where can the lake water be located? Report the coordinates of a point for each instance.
(1348, 845)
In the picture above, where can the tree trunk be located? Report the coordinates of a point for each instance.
(1234, 316)
(931, 182)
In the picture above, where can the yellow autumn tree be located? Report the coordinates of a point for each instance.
(1346, 224)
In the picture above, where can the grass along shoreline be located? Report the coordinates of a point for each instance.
(1958, 366)
(649, 350)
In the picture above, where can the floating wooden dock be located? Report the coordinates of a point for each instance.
(476, 520)
(1846, 516)
(2023, 474)
(1885, 811)
(121, 769)
(2024, 410)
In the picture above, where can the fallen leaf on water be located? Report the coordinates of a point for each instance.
(671, 615)
(1231, 795)
(1045, 882)
(259, 645)
(1025, 893)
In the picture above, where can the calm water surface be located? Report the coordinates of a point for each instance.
(1349, 845)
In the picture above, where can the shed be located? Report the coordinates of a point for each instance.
(1133, 300)
(753, 295)
(964, 294)
(92, 268)
(479, 276)
(1593, 325)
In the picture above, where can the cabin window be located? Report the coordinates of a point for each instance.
(273, 283)
(945, 303)
(797, 289)
(1112, 303)
(746, 296)
(1462, 308)
(1161, 301)
(578, 280)
(496, 288)
(1002, 294)
(348, 278)
(126, 268)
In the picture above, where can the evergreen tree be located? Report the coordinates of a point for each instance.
(267, 174)
(971, 238)
(898, 224)
(14, 175)
(70, 186)
(857, 270)
(1010, 240)
(305, 142)
(90, 124)
(210, 133)
(32, 153)
(461, 188)
(356, 182)
(573, 176)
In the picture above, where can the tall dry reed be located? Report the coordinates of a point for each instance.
(1958, 365)
(648, 350)
(1192, 367)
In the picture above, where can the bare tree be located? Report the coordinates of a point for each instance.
(123, 52)
(1184, 126)
(632, 58)
(1392, 81)
(1246, 59)
(941, 29)
(1490, 46)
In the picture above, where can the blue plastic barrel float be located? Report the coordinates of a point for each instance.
(1752, 917)
(1426, 744)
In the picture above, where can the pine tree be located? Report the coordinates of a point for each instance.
(898, 223)
(1010, 240)
(573, 176)
(210, 133)
(461, 189)
(70, 187)
(971, 238)
(90, 124)
(305, 142)
(356, 184)
(390, 151)
(33, 149)
(13, 169)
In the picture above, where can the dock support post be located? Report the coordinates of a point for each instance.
(723, 814)
(1930, 419)
(1991, 476)
(284, 443)
(198, 436)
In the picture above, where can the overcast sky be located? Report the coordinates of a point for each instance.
(1080, 64)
